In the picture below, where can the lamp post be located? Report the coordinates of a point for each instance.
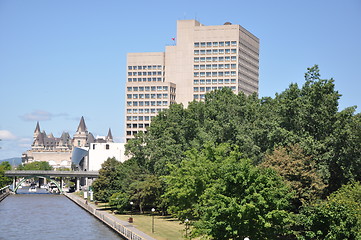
(153, 210)
(186, 222)
(131, 212)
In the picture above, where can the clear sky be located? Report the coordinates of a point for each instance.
(60, 60)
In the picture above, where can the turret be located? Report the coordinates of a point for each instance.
(109, 137)
(37, 130)
(81, 135)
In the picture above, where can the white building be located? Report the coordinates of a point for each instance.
(100, 152)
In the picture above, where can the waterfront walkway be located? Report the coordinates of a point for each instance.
(124, 228)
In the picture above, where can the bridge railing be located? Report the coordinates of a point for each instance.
(52, 173)
(4, 192)
(4, 189)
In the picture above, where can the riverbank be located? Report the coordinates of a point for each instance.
(126, 230)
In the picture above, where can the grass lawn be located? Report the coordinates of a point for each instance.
(165, 227)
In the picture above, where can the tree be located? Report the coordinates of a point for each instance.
(119, 201)
(4, 166)
(38, 165)
(299, 171)
(227, 196)
(339, 217)
(344, 156)
(108, 181)
(146, 191)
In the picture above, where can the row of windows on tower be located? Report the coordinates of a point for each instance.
(147, 103)
(148, 88)
(214, 81)
(148, 96)
(144, 73)
(144, 110)
(215, 44)
(137, 125)
(208, 89)
(215, 74)
(216, 59)
(214, 66)
(215, 51)
(149, 67)
(145, 79)
(140, 118)
(130, 133)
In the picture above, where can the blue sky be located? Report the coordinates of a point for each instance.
(60, 60)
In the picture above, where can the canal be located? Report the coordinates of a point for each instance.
(48, 216)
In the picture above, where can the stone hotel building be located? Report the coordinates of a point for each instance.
(203, 58)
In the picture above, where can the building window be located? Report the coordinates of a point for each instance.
(196, 44)
(107, 146)
(93, 146)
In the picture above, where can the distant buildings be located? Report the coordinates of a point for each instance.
(203, 58)
(62, 152)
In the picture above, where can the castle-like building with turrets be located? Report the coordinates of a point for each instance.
(58, 151)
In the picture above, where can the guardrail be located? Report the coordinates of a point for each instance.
(27, 173)
(4, 192)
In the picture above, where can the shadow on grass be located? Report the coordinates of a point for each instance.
(169, 218)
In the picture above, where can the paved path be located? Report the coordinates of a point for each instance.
(126, 229)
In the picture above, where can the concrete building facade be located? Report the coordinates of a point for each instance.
(203, 59)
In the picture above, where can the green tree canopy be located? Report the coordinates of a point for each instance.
(4, 166)
(38, 165)
(339, 217)
(227, 196)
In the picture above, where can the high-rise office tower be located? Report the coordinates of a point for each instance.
(203, 59)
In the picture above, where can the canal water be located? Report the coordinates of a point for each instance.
(48, 216)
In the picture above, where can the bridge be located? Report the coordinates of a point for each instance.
(48, 174)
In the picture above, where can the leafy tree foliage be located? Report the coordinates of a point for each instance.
(146, 191)
(298, 170)
(4, 166)
(107, 182)
(227, 196)
(119, 201)
(339, 217)
(41, 165)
